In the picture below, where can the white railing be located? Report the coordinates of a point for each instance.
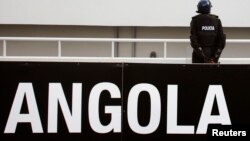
(112, 58)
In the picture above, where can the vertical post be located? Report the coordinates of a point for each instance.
(134, 34)
(4, 48)
(59, 48)
(188, 53)
(113, 49)
(165, 50)
(117, 43)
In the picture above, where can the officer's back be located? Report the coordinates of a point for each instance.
(207, 29)
(207, 37)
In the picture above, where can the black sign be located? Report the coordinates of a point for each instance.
(123, 101)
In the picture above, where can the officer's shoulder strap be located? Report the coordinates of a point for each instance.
(214, 16)
(194, 17)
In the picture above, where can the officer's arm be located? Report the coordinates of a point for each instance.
(194, 40)
(221, 40)
(193, 35)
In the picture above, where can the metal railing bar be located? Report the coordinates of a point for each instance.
(110, 39)
(113, 49)
(90, 39)
(59, 48)
(4, 48)
(165, 50)
(123, 59)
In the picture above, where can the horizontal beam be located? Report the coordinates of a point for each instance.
(109, 39)
(117, 60)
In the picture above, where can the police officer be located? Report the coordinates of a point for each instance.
(207, 37)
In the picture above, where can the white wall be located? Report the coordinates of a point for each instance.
(234, 13)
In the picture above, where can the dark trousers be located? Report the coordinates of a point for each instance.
(197, 59)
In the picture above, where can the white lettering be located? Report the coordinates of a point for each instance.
(172, 127)
(56, 96)
(207, 28)
(132, 109)
(215, 132)
(115, 111)
(73, 117)
(230, 133)
(24, 90)
(214, 92)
